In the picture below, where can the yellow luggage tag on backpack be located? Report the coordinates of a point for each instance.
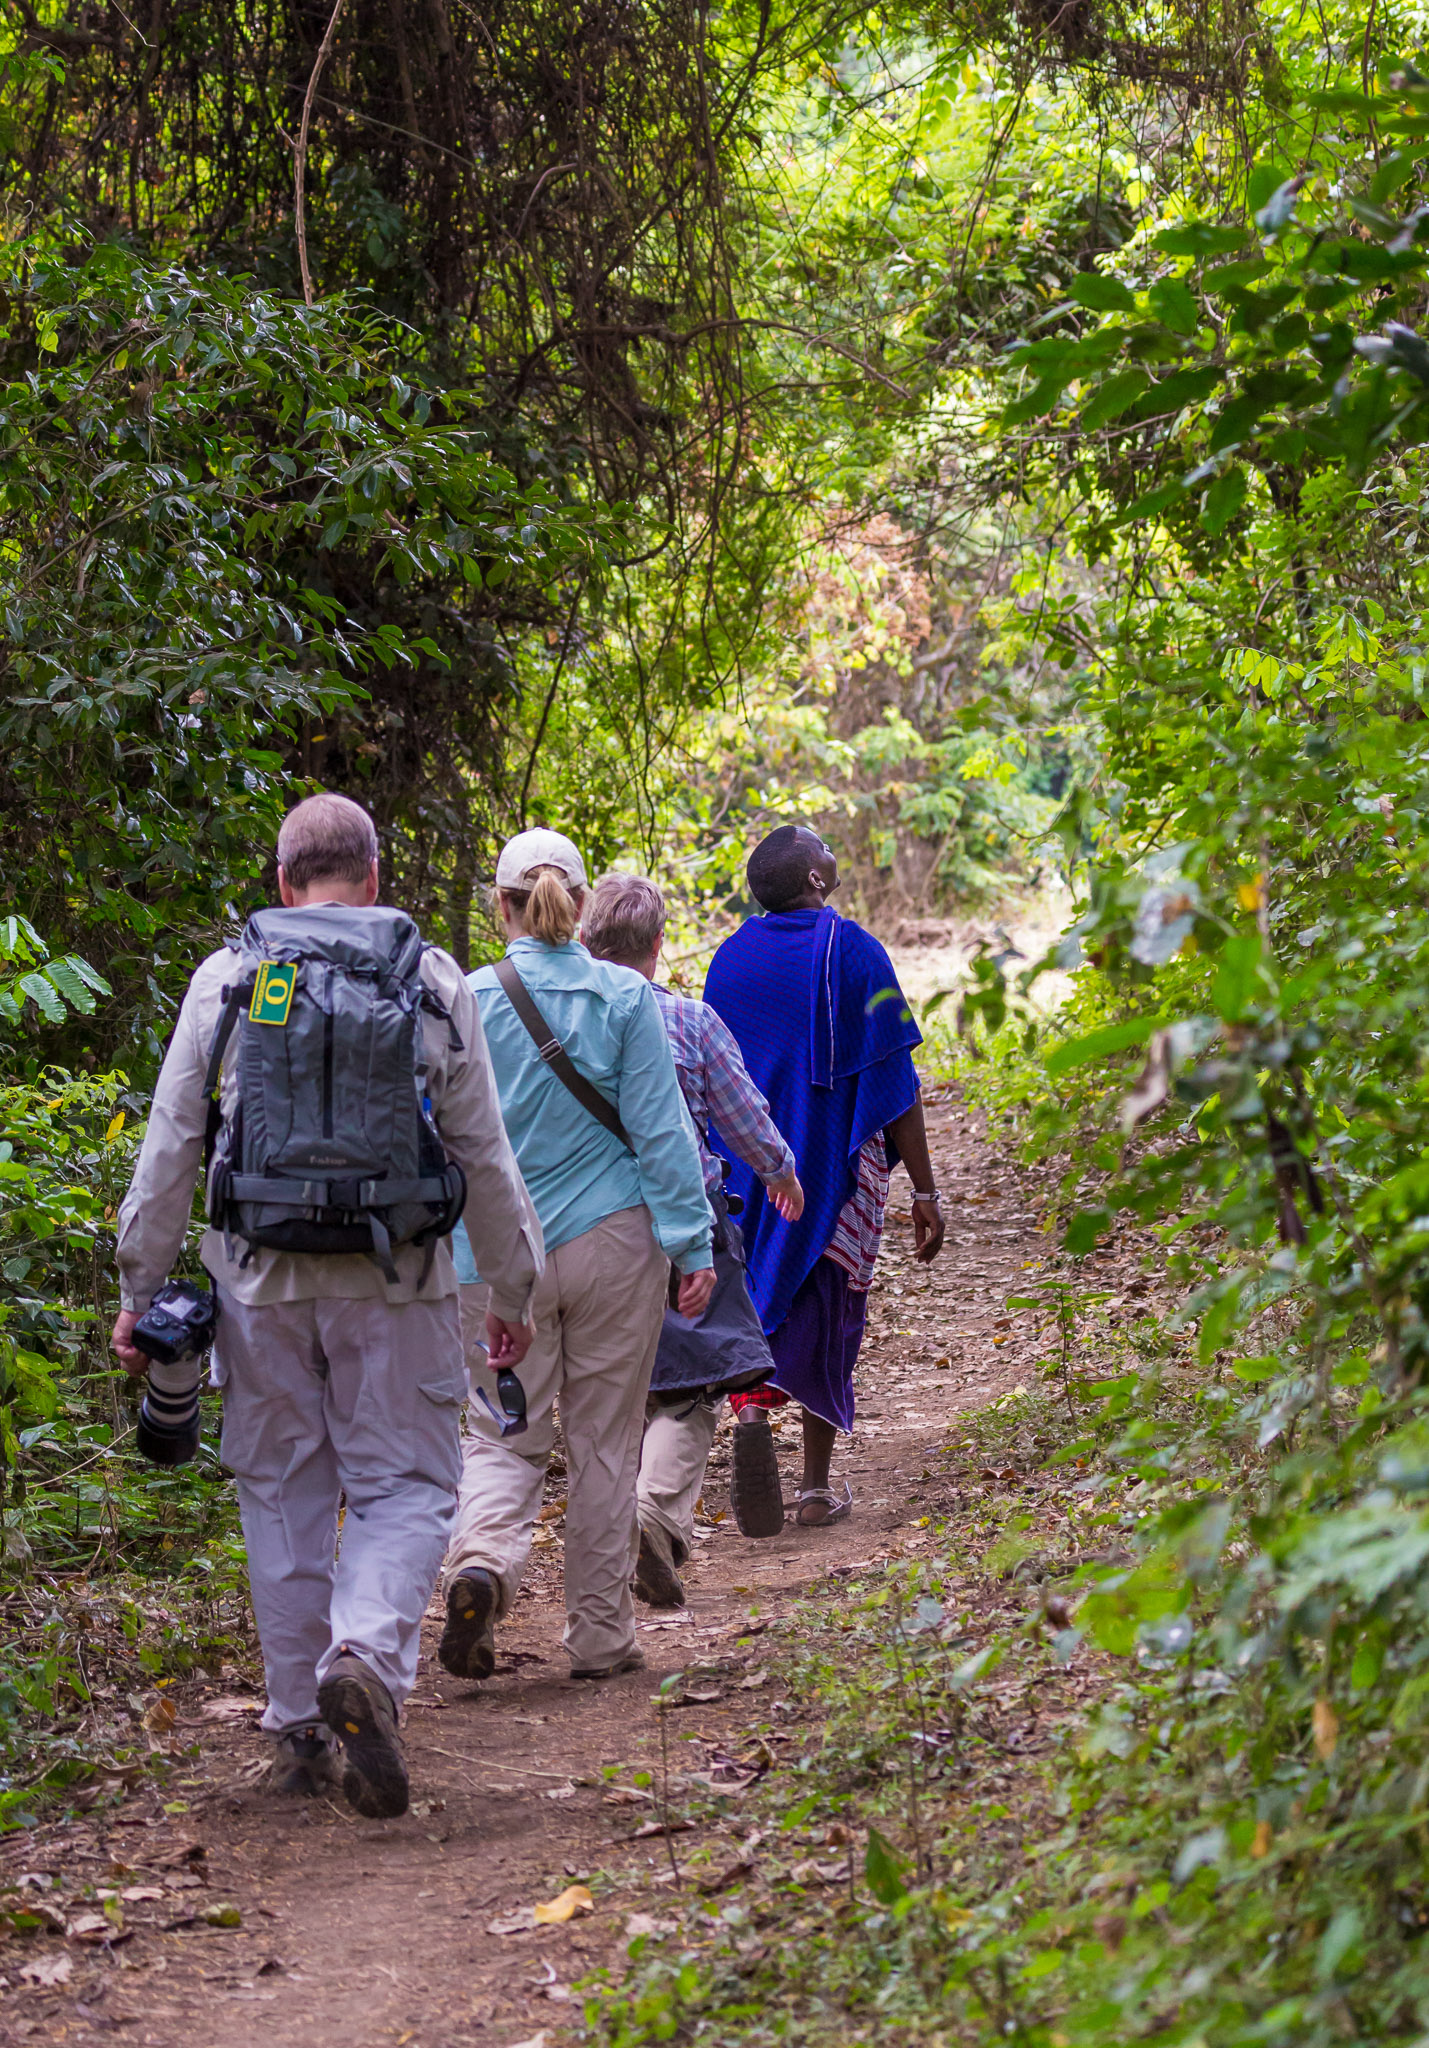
(273, 992)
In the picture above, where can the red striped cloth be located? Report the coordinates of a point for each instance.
(859, 1230)
(763, 1396)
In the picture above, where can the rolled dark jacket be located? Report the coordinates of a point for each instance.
(725, 1349)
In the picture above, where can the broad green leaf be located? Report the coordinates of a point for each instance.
(43, 995)
(1101, 293)
(1070, 1053)
(883, 1870)
(1172, 301)
(1223, 500)
(1085, 1231)
(1112, 397)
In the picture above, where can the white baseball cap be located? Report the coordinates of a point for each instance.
(542, 848)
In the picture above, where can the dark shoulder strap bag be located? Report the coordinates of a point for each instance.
(555, 1055)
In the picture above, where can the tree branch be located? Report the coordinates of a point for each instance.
(300, 155)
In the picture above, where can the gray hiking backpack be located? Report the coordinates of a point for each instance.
(331, 1146)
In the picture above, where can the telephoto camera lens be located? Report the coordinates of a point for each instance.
(167, 1431)
(173, 1333)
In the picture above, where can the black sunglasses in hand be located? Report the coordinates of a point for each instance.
(512, 1396)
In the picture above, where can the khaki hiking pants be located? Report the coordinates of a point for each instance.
(598, 1309)
(323, 1399)
(673, 1457)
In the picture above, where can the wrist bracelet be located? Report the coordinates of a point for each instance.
(934, 1197)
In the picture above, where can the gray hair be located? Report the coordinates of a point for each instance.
(623, 919)
(326, 838)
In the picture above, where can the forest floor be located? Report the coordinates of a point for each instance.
(208, 1911)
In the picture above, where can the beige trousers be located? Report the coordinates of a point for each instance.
(331, 1400)
(673, 1457)
(597, 1309)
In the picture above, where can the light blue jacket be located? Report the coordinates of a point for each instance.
(577, 1171)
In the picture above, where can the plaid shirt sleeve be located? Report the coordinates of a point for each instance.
(736, 1107)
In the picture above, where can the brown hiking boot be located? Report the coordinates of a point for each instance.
(656, 1580)
(633, 1660)
(756, 1497)
(305, 1763)
(468, 1645)
(358, 1708)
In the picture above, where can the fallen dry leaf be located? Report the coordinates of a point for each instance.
(160, 1717)
(723, 1878)
(230, 1709)
(41, 1909)
(754, 1681)
(91, 1927)
(565, 1906)
(47, 1971)
(177, 1855)
(1326, 1727)
(1261, 1844)
(660, 1827)
(519, 1922)
(627, 1795)
(646, 1923)
(134, 1892)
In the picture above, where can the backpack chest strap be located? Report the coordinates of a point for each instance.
(335, 1194)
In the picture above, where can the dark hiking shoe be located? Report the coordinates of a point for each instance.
(468, 1645)
(358, 1708)
(756, 1497)
(633, 1660)
(656, 1581)
(305, 1763)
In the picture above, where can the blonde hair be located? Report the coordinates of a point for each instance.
(326, 838)
(624, 918)
(548, 911)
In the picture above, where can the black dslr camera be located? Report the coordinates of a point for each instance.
(173, 1333)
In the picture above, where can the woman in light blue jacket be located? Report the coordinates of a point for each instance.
(616, 1181)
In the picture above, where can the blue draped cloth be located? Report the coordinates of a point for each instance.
(815, 1007)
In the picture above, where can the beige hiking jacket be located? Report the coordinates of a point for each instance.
(499, 1218)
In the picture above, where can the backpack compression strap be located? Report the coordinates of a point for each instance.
(233, 1000)
(556, 1057)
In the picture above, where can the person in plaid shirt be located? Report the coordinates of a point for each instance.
(624, 922)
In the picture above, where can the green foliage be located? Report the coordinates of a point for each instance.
(113, 1573)
(53, 987)
(1190, 1813)
(1241, 1065)
(194, 477)
(64, 1160)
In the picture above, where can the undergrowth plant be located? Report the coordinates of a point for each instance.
(114, 1574)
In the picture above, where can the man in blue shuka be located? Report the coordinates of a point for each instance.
(816, 1010)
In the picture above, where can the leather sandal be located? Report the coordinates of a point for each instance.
(838, 1508)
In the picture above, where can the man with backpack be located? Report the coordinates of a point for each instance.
(337, 1069)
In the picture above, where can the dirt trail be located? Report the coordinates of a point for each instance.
(370, 1933)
